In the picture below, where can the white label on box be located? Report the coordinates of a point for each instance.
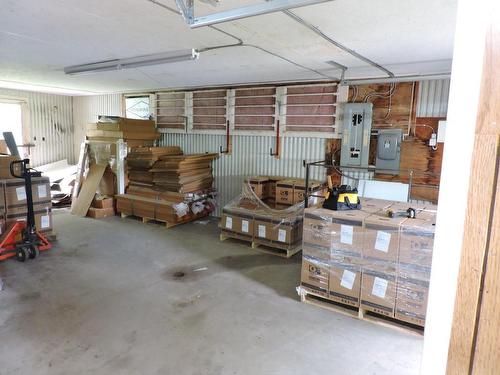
(21, 193)
(348, 278)
(282, 235)
(262, 231)
(42, 191)
(346, 232)
(45, 221)
(229, 222)
(379, 287)
(244, 226)
(383, 241)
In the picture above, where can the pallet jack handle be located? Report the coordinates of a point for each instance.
(26, 173)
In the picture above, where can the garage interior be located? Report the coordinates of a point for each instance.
(249, 187)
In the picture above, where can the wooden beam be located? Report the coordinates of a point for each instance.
(475, 342)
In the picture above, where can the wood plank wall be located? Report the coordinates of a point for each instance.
(399, 112)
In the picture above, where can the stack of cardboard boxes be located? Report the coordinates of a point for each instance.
(272, 219)
(13, 199)
(365, 259)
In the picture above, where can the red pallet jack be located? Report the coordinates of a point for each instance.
(21, 239)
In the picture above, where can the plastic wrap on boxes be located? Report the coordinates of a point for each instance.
(251, 217)
(417, 242)
(102, 154)
(378, 287)
(412, 293)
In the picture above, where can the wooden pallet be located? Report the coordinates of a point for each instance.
(265, 246)
(166, 223)
(310, 297)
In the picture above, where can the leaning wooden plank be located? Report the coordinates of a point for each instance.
(82, 160)
(88, 190)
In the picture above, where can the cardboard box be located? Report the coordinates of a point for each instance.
(344, 284)
(43, 216)
(238, 223)
(381, 237)
(375, 205)
(338, 230)
(5, 161)
(412, 295)
(103, 202)
(378, 289)
(315, 275)
(300, 188)
(15, 192)
(429, 213)
(285, 192)
(271, 186)
(99, 213)
(416, 242)
(315, 251)
(282, 231)
(259, 186)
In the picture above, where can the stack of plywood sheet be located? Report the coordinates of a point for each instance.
(141, 159)
(184, 173)
(134, 132)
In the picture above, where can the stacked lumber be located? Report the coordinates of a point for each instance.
(184, 173)
(141, 159)
(134, 132)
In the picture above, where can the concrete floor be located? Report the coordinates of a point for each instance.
(106, 300)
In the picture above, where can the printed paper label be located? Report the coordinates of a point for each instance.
(262, 231)
(379, 287)
(45, 221)
(42, 191)
(21, 193)
(383, 241)
(244, 226)
(346, 232)
(282, 235)
(348, 278)
(229, 222)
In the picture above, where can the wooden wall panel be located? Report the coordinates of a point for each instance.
(475, 340)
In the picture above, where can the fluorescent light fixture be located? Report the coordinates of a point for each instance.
(134, 62)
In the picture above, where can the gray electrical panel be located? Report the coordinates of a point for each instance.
(356, 128)
(388, 151)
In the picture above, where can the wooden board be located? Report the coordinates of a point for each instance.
(475, 342)
(88, 190)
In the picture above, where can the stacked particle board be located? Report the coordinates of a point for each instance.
(365, 259)
(140, 160)
(167, 186)
(184, 173)
(134, 132)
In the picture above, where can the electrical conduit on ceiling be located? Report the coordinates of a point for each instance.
(241, 43)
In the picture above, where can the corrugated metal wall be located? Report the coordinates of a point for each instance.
(249, 157)
(86, 109)
(433, 98)
(50, 125)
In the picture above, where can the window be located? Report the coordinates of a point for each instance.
(255, 108)
(11, 120)
(137, 107)
(170, 110)
(311, 108)
(209, 109)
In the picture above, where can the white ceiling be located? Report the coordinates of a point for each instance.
(39, 38)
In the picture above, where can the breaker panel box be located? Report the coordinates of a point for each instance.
(388, 151)
(356, 129)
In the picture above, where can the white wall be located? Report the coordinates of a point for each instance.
(453, 192)
(86, 110)
(50, 120)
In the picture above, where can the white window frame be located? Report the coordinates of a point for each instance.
(186, 114)
(25, 118)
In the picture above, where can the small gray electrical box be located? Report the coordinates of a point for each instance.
(388, 151)
(356, 128)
